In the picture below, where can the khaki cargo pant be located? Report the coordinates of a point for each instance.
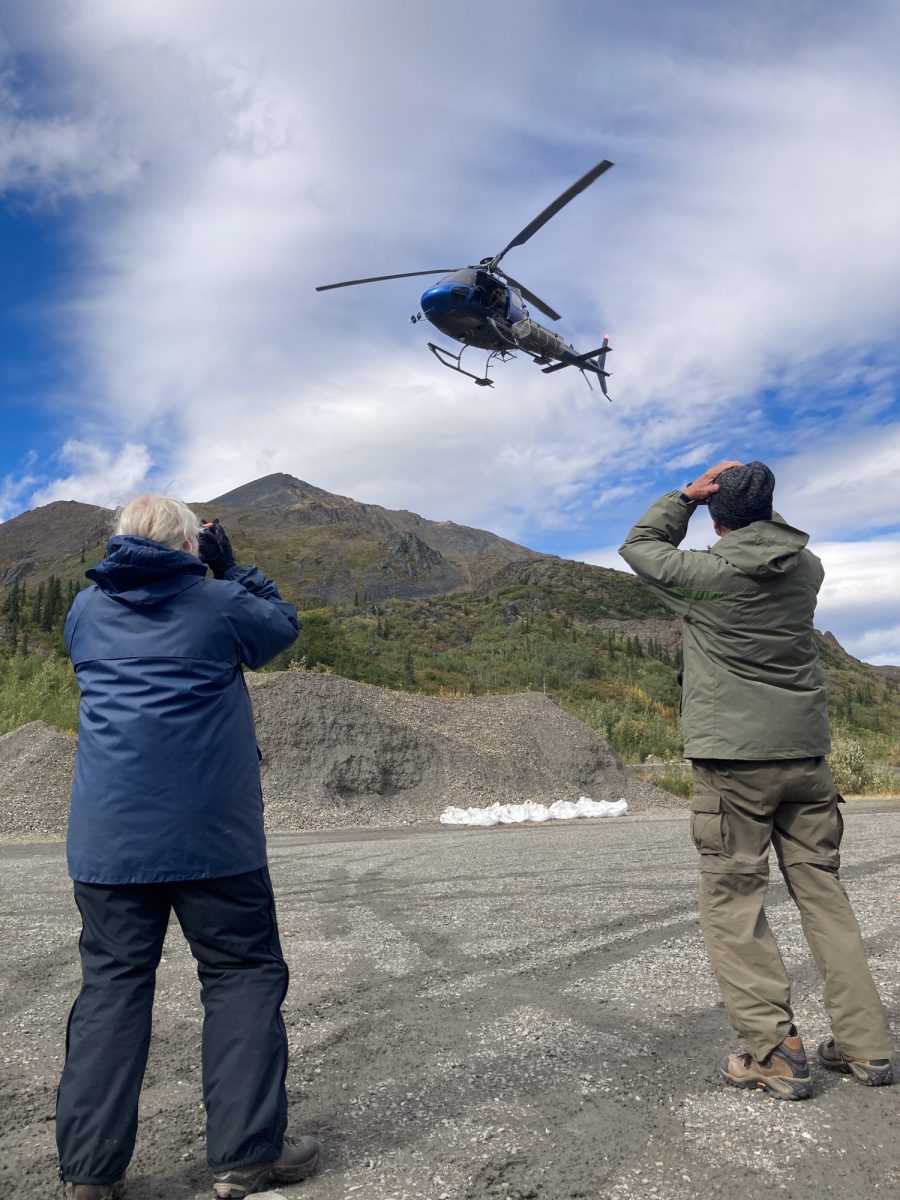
(739, 809)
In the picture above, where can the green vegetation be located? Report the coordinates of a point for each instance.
(861, 765)
(636, 726)
(34, 687)
(675, 779)
(607, 657)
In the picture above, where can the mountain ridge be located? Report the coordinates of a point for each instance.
(318, 544)
(323, 547)
(388, 597)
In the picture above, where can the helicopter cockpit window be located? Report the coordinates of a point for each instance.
(490, 292)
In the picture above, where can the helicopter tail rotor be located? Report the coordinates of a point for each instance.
(593, 361)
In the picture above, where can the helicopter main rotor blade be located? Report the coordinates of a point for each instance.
(326, 287)
(532, 298)
(552, 209)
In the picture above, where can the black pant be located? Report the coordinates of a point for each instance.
(231, 928)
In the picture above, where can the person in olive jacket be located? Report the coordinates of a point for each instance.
(167, 815)
(755, 727)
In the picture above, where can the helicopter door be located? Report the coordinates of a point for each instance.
(516, 308)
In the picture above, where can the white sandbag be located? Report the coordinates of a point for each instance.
(514, 814)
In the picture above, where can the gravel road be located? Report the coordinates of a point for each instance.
(502, 1014)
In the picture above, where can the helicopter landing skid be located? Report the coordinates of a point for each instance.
(453, 361)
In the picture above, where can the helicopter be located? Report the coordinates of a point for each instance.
(483, 306)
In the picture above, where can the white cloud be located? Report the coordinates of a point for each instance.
(859, 599)
(602, 556)
(745, 251)
(843, 483)
(745, 208)
(99, 475)
(14, 488)
(879, 646)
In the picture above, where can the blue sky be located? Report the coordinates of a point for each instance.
(175, 178)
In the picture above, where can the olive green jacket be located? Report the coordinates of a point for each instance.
(753, 685)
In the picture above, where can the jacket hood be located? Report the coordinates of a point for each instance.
(763, 548)
(142, 573)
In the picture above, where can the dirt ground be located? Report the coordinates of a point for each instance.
(508, 1014)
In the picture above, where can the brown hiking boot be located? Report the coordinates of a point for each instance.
(299, 1158)
(785, 1073)
(873, 1072)
(95, 1191)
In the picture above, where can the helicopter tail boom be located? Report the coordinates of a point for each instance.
(587, 362)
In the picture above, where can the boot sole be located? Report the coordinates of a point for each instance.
(237, 1191)
(868, 1076)
(778, 1086)
(118, 1189)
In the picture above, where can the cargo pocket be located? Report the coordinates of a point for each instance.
(708, 823)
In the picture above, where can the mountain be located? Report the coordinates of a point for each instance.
(339, 550)
(391, 598)
(318, 545)
(52, 540)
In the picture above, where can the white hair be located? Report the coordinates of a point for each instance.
(161, 519)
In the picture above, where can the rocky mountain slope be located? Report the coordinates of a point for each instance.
(55, 539)
(318, 545)
(390, 598)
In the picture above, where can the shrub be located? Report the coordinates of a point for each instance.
(678, 781)
(35, 688)
(848, 765)
(634, 725)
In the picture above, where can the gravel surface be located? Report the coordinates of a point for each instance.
(520, 1013)
(36, 765)
(339, 754)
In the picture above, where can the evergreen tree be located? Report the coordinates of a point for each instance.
(14, 605)
(37, 605)
(409, 675)
(52, 608)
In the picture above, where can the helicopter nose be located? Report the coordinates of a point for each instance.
(439, 299)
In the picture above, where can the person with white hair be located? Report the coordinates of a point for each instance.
(167, 815)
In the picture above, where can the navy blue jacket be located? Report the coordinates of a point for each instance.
(167, 773)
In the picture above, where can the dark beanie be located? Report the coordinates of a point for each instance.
(744, 495)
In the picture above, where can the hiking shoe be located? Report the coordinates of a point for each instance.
(96, 1191)
(299, 1158)
(873, 1072)
(785, 1073)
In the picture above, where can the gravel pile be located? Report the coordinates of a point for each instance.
(36, 765)
(340, 754)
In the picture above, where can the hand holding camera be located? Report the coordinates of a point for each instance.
(215, 548)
